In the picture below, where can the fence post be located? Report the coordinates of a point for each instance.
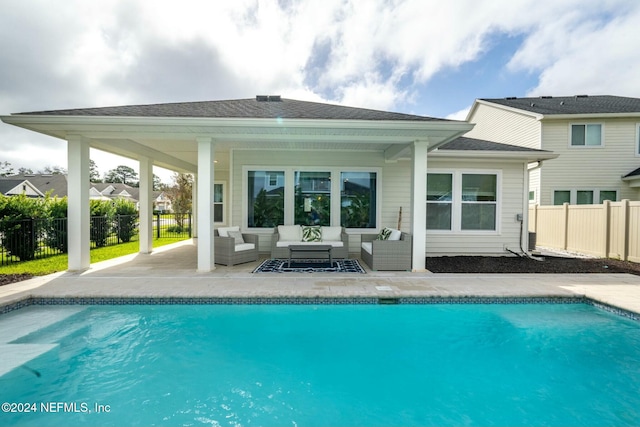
(190, 225)
(565, 225)
(624, 225)
(606, 205)
(157, 226)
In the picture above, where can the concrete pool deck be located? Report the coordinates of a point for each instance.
(171, 272)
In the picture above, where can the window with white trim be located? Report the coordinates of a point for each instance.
(583, 197)
(218, 202)
(463, 201)
(586, 135)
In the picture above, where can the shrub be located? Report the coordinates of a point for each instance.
(101, 220)
(18, 226)
(56, 229)
(126, 219)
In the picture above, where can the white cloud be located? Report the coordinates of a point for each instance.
(376, 54)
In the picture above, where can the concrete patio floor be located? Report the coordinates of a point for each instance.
(171, 272)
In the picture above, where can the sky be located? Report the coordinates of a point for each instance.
(425, 57)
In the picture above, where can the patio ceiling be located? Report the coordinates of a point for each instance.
(171, 141)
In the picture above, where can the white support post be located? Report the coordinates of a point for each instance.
(78, 203)
(206, 158)
(419, 204)
(146, 205)
(194, 207)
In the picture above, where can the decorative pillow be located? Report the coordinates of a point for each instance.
(395, 234)
(331, 233)
(224, 231)
(237, 236)
(311, 234)
(384, 234)
(290, 233)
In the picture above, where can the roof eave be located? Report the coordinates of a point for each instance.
(532, 156)
(537, 116)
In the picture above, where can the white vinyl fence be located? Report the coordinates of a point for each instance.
(610, 230)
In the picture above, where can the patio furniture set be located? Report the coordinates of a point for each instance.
(388, 250)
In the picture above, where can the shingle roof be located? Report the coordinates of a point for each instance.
(7, 184)
(241, 108)
(581, 104)
(633, 173)
(463, 143)
(56, 183)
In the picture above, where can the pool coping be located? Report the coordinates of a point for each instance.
(364, 300)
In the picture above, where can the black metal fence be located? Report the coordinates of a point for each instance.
(30, 239)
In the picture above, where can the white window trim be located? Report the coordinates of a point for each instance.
(289, 193)
(637, 140)
(456, 204)
(225, 202)
(573, 194)
(582, 147)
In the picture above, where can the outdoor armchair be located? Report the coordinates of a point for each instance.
(386, 254)
(228, 251)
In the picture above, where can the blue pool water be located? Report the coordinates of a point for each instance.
(340, 365)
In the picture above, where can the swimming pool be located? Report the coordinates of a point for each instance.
(361, 365)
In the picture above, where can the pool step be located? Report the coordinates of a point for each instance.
(21, 323)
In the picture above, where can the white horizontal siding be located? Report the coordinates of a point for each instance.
(508, 127)
(512, 203)
(589, 168)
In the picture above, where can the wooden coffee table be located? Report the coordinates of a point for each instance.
(310, 248)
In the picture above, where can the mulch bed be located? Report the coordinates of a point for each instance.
(552, 265)
(5, 279)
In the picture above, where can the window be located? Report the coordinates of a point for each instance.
(358, 194)
(462, 201)
(586, 135)
(265, 192)
(312, 198)
(612, 196)
(479, 197)
(561, 196)
(439, 201)
(532, 196)
(584, 197)
(638, 140)
(218, 202)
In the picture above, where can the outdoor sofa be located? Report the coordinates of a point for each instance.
(286, 235)
(232, 247)
(392, 253)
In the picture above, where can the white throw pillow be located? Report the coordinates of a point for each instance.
(224, 231)
(237, 236)
(290, 233)
(395, 234)
(331, 233)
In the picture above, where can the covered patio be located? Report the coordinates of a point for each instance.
(202, 137)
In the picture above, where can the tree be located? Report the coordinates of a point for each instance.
(53, 170)
(123, 175)
(5, 169)
(25, 171)
(157, 183)
(94, 174)
(180, 195)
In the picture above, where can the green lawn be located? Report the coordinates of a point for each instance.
(56, 263)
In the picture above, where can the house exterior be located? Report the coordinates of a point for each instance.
(16, 187)
(597, 139)
(265, 161)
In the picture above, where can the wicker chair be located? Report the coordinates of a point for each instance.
(387, 254)
(225, 249)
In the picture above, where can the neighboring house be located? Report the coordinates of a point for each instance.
(54, 185)
(268, 160)
(15, 187)
(161, 202)
(597, 139)
(112, 191)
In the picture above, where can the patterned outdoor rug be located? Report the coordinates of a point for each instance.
(310, 266)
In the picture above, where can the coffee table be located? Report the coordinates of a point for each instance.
(310, 248)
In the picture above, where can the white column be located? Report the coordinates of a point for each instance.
(78, 203)
(419, 204)
(194, 207)
(146, 205)
(205, 205)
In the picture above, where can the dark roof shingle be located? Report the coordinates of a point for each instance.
(463, 143)
(241, 108)
(581, 104)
